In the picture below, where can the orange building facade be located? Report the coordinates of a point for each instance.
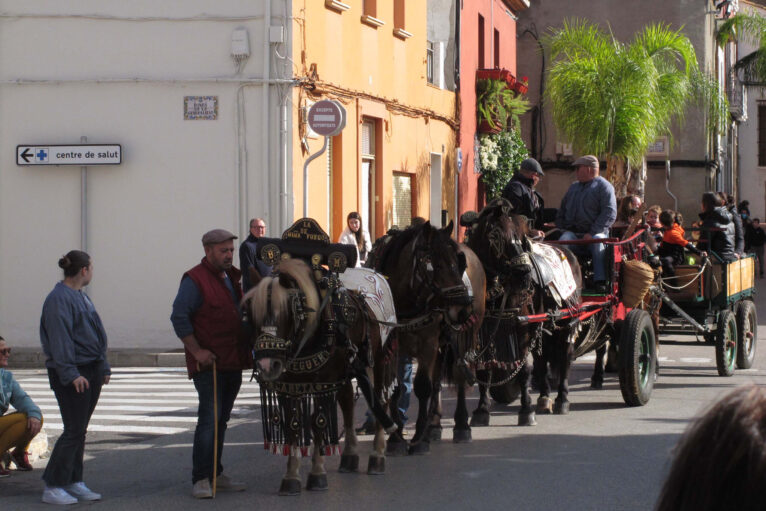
(390, 67)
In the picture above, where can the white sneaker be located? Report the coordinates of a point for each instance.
(82, 492)
(201, 489)
(57, 496)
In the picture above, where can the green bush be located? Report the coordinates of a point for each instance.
(500, 155)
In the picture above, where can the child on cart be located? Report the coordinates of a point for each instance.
(671, 249)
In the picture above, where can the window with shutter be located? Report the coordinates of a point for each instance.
(402, 200)
(762, 134)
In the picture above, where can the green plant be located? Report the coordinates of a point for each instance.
(750, 28)
(500, 155)
(613, 99)
(497, 104)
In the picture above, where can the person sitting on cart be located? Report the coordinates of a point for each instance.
(739, 231)
(671, 249)
(715, 216)
(587, 211)
(520, 192)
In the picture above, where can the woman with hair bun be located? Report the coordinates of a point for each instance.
(74, 342)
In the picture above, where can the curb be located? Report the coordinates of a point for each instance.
(33, 358)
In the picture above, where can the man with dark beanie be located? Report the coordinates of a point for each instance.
(520, 192)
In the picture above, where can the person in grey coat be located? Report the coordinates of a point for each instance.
(74, 342)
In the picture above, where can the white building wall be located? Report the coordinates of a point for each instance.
(66, 71)
(752, 178)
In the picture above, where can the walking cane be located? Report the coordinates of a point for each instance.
(215, 428)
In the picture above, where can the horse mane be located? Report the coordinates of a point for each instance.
(396, 244)
(298, 271)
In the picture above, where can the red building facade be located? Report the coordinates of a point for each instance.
(487, 41)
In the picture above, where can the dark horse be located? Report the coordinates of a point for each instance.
(425, 271)
(307, 349)
(516, 289)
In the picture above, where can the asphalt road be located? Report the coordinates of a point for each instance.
(603, 455)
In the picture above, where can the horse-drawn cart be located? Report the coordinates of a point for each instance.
(715, 299)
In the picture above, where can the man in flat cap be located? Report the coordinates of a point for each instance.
(520, 192)
(587, 211)
(207, 318)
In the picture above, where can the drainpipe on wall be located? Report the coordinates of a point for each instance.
(266, 73)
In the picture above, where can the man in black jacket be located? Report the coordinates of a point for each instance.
(248, 251)
(520, 192)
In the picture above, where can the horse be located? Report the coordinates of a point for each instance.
(425, 271)
(456, 342)
(518, 289)
(306, 350)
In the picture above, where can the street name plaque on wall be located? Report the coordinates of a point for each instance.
(200, 108)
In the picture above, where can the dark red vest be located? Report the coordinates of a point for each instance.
(217, 324)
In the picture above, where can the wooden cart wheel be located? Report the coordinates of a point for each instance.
(726, 343)
(638, 359)
(747, 334)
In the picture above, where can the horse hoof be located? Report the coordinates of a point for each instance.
(290, 487)
(527, 419)
(561, 407)
(435, 433)
(544, 405)
(461, 436)
(596, 383)
(349, 463)
(480, 418)
(317, 482)
(396, 446)
(376, 466)
(420, 448)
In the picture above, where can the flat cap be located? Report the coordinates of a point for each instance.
(532, 165)
(586, 161)
(217, 236)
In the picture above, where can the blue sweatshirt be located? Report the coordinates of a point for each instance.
(12, 395)
(588, 208)
(71, 333)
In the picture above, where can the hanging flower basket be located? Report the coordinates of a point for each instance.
(522, 86)
(497, 74)
(487, 127)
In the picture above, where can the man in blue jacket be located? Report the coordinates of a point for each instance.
(587, 211)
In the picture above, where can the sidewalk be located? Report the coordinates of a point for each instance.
(33, 358)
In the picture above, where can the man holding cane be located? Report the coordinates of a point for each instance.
(207, 318)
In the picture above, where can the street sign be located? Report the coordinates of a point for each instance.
(327, 118)
(82, 155)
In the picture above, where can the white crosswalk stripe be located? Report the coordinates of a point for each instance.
(152, 401)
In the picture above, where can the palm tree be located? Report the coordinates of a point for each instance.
(613, 99)
(752, 28)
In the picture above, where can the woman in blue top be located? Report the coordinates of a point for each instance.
(19, 428)
(74, 343)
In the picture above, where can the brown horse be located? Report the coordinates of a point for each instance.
(306, 350)
(457, 341)
(424, 268)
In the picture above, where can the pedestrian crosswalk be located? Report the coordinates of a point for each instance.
(151, 401)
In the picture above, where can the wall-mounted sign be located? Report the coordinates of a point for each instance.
(327, 118)
(659, 149)
(200, 108)
(82, 155)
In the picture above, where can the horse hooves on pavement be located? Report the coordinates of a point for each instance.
(419, 448)
(596, 384)
(376, 466)
(396, 446)
(527, 419)
(349, 463)
(544, 405)
(290, 487)
(461, 436)
(561, 407)
(317, 482)
(480, 418)
(435, 433)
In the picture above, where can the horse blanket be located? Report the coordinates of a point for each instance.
(555, 271)
(376, 292)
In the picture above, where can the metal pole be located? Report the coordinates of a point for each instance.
(84, 203)
(306, 176)
(667, 184)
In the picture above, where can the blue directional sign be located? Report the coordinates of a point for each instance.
(82, 155)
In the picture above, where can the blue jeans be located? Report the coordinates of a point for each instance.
(202, 452)
(597, 252)
(404, 375)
